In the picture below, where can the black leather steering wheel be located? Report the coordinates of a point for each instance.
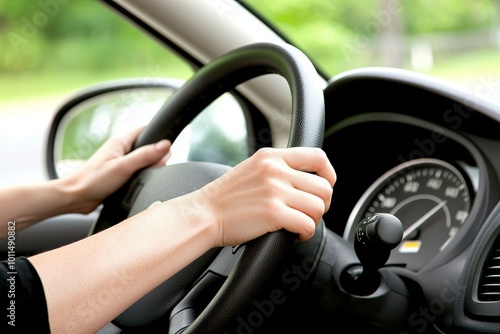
(255, 263)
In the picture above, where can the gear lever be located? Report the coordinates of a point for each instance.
(376, 236)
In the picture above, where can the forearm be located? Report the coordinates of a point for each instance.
(92, 281)
(28, 204)
(109, 168)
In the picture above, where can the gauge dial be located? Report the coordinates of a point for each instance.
(430, 197)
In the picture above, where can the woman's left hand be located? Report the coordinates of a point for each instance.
(111, 166)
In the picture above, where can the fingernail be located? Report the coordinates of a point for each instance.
(163, 145)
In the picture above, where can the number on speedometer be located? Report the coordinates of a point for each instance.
(430, 197)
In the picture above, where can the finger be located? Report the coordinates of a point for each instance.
(311, 205)
(163, 161)
(313, 184)
(313, 160)
(299, 223)
(128, 139)
(146, 155)
(294, 210)
(277, 215)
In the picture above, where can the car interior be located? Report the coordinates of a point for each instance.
(411, 242)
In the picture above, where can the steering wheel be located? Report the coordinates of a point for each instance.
(247, 267)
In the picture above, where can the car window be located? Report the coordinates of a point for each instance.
(51, 49)
(452, 39)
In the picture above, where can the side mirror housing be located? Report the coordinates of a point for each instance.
(97, 112)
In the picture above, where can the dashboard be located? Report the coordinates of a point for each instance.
(427, 177)
(426, 152)
(406, 148)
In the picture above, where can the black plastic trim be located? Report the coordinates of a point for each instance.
(469, 314)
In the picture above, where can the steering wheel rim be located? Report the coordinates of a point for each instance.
(260, 256)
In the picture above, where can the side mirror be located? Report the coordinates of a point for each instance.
(98, 112)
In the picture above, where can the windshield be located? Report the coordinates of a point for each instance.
(455, 40)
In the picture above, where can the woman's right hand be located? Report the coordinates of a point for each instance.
(288, 188)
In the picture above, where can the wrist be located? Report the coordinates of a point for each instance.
(72, 193)
(197, 215)
(206, 212)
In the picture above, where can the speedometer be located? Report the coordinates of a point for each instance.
(431, 198)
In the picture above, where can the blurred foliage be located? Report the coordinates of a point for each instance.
(341, 35)
(449, 15)
(51, 45)
(76, 40)
(46, 44)
(76, 35)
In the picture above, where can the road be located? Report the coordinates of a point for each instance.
(24, 127)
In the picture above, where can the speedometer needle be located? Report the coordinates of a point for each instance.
(422, 219)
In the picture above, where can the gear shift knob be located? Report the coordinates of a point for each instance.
(376, 236)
